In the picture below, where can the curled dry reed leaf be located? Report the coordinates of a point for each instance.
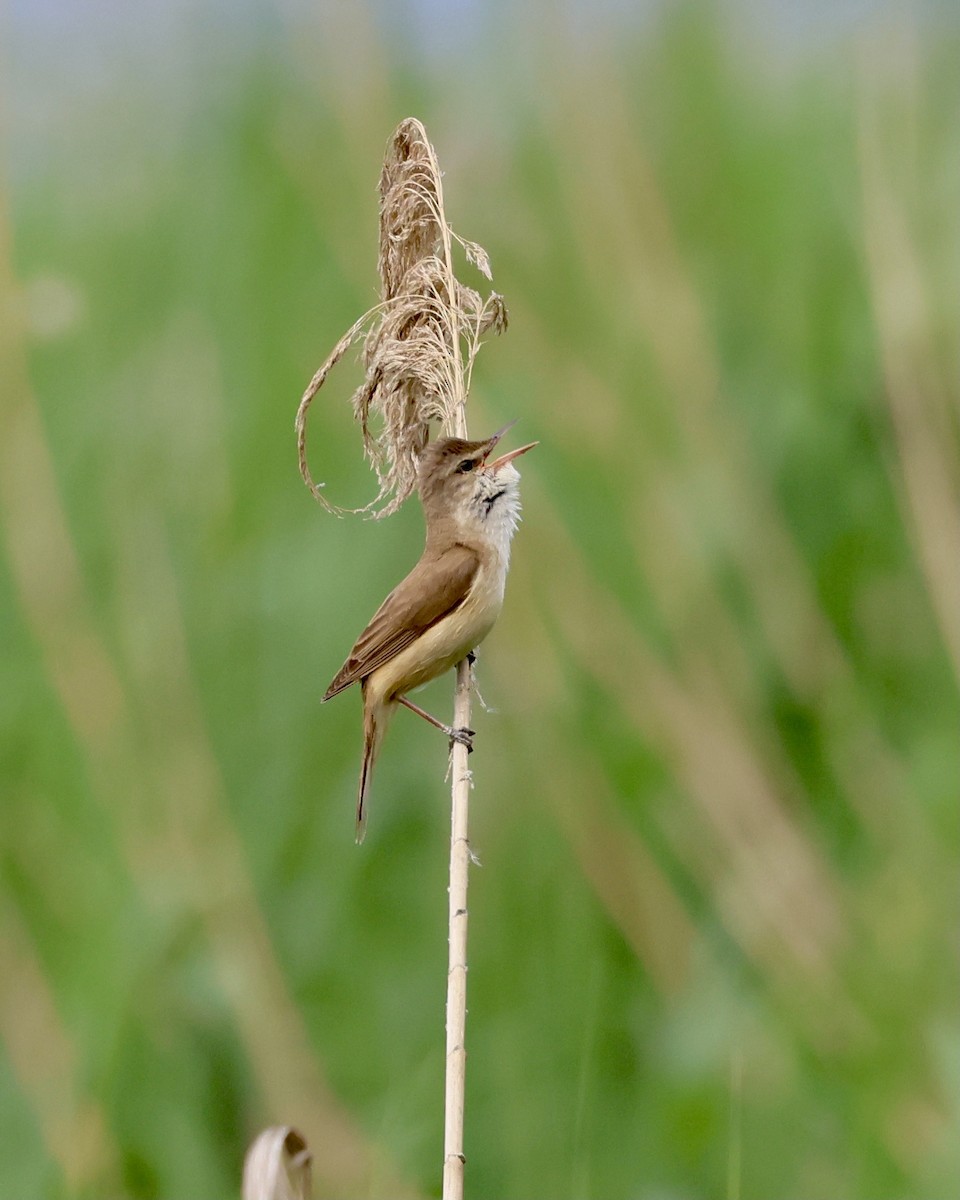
(420, 341)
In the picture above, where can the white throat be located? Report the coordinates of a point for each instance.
(496, 507)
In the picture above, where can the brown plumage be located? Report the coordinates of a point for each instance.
(450, 600)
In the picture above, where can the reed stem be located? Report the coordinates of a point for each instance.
(456, 1061)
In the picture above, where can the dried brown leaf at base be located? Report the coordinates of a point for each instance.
(277, 1166)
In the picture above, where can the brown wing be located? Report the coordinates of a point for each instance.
(435, 587)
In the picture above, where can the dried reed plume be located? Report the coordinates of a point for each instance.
(420, 341)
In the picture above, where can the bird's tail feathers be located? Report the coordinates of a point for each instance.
(373, 729)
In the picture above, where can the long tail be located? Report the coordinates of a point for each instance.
(374, 725)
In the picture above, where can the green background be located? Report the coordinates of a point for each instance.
(712, 939)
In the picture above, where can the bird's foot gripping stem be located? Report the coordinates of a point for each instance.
(462, 736)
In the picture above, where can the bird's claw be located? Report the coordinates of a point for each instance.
(464, 737)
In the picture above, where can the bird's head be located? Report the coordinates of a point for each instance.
(460, 480)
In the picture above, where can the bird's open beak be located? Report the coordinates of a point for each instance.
(504, 458)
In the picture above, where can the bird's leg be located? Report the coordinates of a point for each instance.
(463, 736)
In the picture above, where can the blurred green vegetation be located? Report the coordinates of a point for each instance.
(712, 940)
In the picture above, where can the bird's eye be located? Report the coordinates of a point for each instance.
(467, 465)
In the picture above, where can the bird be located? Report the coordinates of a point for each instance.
(451, 599)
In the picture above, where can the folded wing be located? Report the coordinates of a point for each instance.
(435, 587)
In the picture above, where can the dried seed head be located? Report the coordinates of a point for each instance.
(420, 341)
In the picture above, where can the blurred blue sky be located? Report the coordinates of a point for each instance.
(89, 35)
(64, 63)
